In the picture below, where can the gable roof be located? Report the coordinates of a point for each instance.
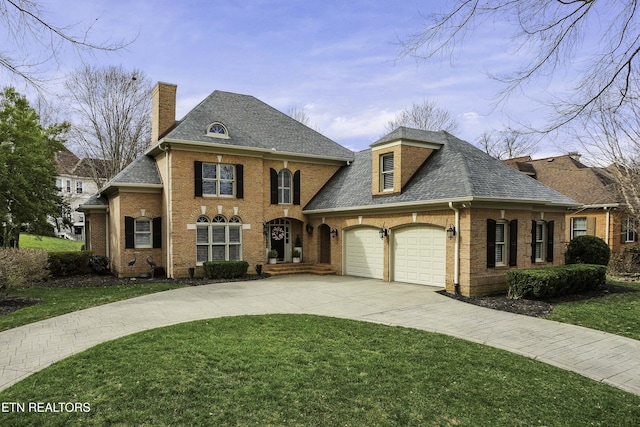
(457, 171)
(253, 124)
(569, 176)
(142, 172)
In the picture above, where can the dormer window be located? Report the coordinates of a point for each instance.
(386, 172)
(217, 130)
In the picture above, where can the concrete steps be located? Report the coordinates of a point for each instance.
(298, 268)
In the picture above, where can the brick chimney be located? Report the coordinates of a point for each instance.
(163, 109)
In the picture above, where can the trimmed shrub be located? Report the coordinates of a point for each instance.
(225, 269)
(99, 264)
(69, 263)
(21, 266)
(555, 281)
(587, 250)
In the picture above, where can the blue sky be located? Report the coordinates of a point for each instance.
(334, 59)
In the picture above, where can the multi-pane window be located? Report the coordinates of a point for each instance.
(218, 179)
(59, 184)
(629, 225)
(386, 172)
(68, 186)
(79, 186)
(218, 239)
(578, 227)
(142, 232)
(501, 243)
(540, 242)
(284, 186)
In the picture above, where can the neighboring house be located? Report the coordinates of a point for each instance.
(236, 178)
(76, 183)
(602, 212)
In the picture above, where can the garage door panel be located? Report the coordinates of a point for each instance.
(364, 253)
(419, 255)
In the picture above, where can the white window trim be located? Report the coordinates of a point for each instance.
(502, 245)
(384, 172)
(224, 135)
(137, 233)
(234, 222)
(284, 190)
(630, 229)
(218, 180)
(574, 229)
(540, 241)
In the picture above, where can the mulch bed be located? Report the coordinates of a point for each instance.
(535, 308)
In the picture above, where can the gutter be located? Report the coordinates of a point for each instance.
(456, 251)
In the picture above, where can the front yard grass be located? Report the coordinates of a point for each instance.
(50, 244)
(57, 301)
(618, 314)
(311, 370)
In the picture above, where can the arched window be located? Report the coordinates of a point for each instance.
(217, 130)
(284, 186)
(218, 240)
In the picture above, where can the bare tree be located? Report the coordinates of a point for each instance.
(299, 114)
(507, 144)
(551, 33)
(31, 43)
(112, 109)
(426, 116)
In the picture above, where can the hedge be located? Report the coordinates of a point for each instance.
(69, 263)
(225, 269)
(555, 281)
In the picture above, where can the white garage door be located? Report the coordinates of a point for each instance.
(419, 255)
(364, 253)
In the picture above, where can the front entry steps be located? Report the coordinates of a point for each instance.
(298, 268)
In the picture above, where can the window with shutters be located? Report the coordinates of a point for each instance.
(218, 179)
(539, 241)
(386, 172)
(578, 227)
(284, 187)
(218, 239)
(501, 244)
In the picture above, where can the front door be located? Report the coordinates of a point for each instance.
(279, 236)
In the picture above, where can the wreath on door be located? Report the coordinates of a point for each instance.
(277, 233)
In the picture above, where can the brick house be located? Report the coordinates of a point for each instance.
(236, 178)
(602, 211)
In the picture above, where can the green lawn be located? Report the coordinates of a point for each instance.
(57, 301)
(50, 244)
(312, 371)
(618, 313)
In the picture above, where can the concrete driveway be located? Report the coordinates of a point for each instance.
(603, 357)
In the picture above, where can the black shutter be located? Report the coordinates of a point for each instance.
(296, 188)
(491, 243)
(533, 242)
(550, 227)
(513, 243)
(129, 232)
(274, 186)
(197, 166)
(239, 182)
(157, 232)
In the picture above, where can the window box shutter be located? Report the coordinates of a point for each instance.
(274, 186)
(296, 188)
(550, 230)
(491, 243)
(157, 232)
(129, 232)
(240, 181)
(591, 226)
(197, 166)
(513, 243)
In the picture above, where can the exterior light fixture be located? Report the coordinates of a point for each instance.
(334, 233)
(309, 229)
(265, 228)
(383, 232)
(451, 232)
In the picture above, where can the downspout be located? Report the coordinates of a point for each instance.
(607, 226)
(456, 251)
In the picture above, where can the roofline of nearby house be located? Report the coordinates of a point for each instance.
(602, 206)
(156, 150)
(439, 203)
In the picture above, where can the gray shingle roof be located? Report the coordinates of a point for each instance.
(458, 170)
(143, 170)
(253, 124)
